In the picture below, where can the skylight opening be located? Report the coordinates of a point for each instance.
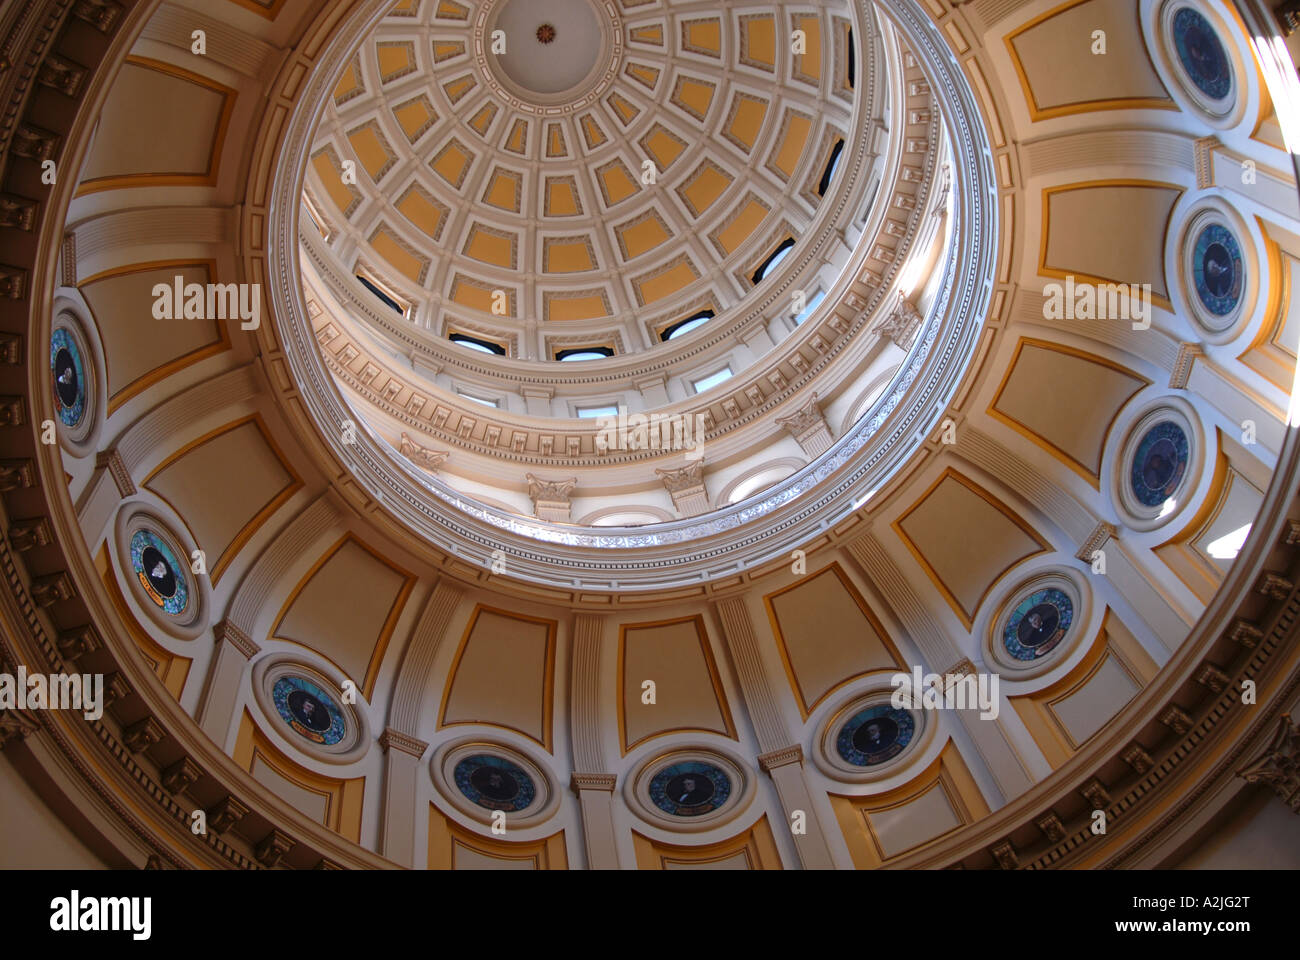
(470, 396)
(473, 343)
(381, 295)
(686, 326)
(853, 60)
(832, 165)
(780, 253)
(596, 413)
(584, 353)
(712, 380)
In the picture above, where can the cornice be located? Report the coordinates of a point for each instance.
(392, 739)
(602, 782)
(779, 758)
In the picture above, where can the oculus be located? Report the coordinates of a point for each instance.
(1218, 273)
(1203, 64)
(1201, 54)
(879, 732)
(1159, 464)
(160, 574)
(76, 371)
(1218, 269)
(875, 735)
(309, 710)
(1037, 624)
(495, 783)
(154, 557)
(309, 701)
(68, 369)
(485, 779)
(690, 788)
(1154, 471)
(575, 61)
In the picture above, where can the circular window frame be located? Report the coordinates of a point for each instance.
(636, 789)
(141, 517)
(356, 740)
(1221, 114)
(827, 757)
(1135, 515)
(995, 653)
(442, 770)
(1212, 327)
(81, 440)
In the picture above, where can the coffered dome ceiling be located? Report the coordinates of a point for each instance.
(581, 412)
(602, 172)
(700, 213)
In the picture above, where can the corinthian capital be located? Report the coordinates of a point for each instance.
(684, 478)
(686, 486)
(808, 427)
(1278, 766)
(551, 491)
(422, 456)
(901, 325)
(551, 497)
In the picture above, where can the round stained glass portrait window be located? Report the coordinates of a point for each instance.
(69, 371)
(1218, 271)
(495, 783)
(1202, 55)
(875, 735)
(309, 710)
(690, 788)
(160, 573)
(1038, 624)
(1159, 464)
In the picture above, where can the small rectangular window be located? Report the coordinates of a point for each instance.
(712, 380)
(809, 307)
(476, 343)
(578, 354)
(595, 413)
